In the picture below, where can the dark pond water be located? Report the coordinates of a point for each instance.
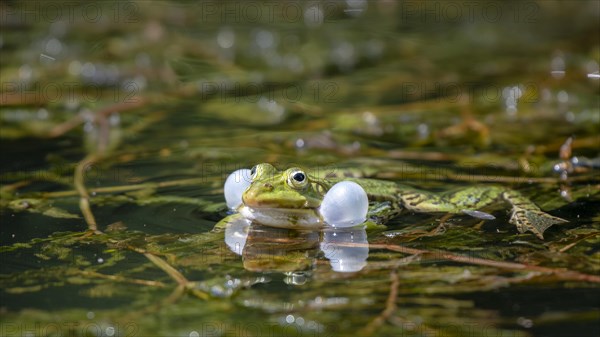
(121, 120)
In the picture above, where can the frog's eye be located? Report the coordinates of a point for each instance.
(297, 179)
(253, 172)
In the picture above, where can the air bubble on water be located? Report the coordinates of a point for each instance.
(370, 118)
(53, 46)
(313, 16)
(25, 72)
(114, 119)
(562, 96)
(355, 7)
(511, 97)
(344, 55)
(525, 322)
(89, 127)
(570, 116)
(558, 67)
(88, 69)
(293, 63)
(134, 85)
(226, 38)
(546, 95)
(42, 114)
(90, 315)
(265, 39)
(591, 66)
(277, 110)
(557, 168)
(423, 130)
(74, 68)
(290, 319)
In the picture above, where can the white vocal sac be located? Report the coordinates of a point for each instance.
(235, 185)
(345, 205)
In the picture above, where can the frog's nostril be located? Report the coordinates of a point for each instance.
(268, 186)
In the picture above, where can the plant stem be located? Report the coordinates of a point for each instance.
(390, 307)
(84, 197)
(561, 273)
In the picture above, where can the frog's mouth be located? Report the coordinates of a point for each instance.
(283, 217)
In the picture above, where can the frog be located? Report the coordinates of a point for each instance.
(291, 199)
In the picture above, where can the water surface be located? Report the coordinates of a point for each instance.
(147, 106)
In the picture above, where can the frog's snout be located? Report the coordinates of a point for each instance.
(255, 195)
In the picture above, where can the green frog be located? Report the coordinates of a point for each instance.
(291, 199)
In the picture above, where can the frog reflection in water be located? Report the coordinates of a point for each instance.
(291, 199)
(293, 252)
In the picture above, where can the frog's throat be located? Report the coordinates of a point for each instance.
(305, 218)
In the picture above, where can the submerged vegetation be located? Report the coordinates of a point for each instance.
(119, 129)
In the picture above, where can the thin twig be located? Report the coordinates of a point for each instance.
(390, 307)
(123, 279)
(583, 238)
(78, 119)
(167, 268)
(172, 298)
(426, 176)
(84, 197)
(392, 264)
(565, 274)
(84, 205)
(127, 188)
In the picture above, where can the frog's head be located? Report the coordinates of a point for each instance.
(289, 189)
